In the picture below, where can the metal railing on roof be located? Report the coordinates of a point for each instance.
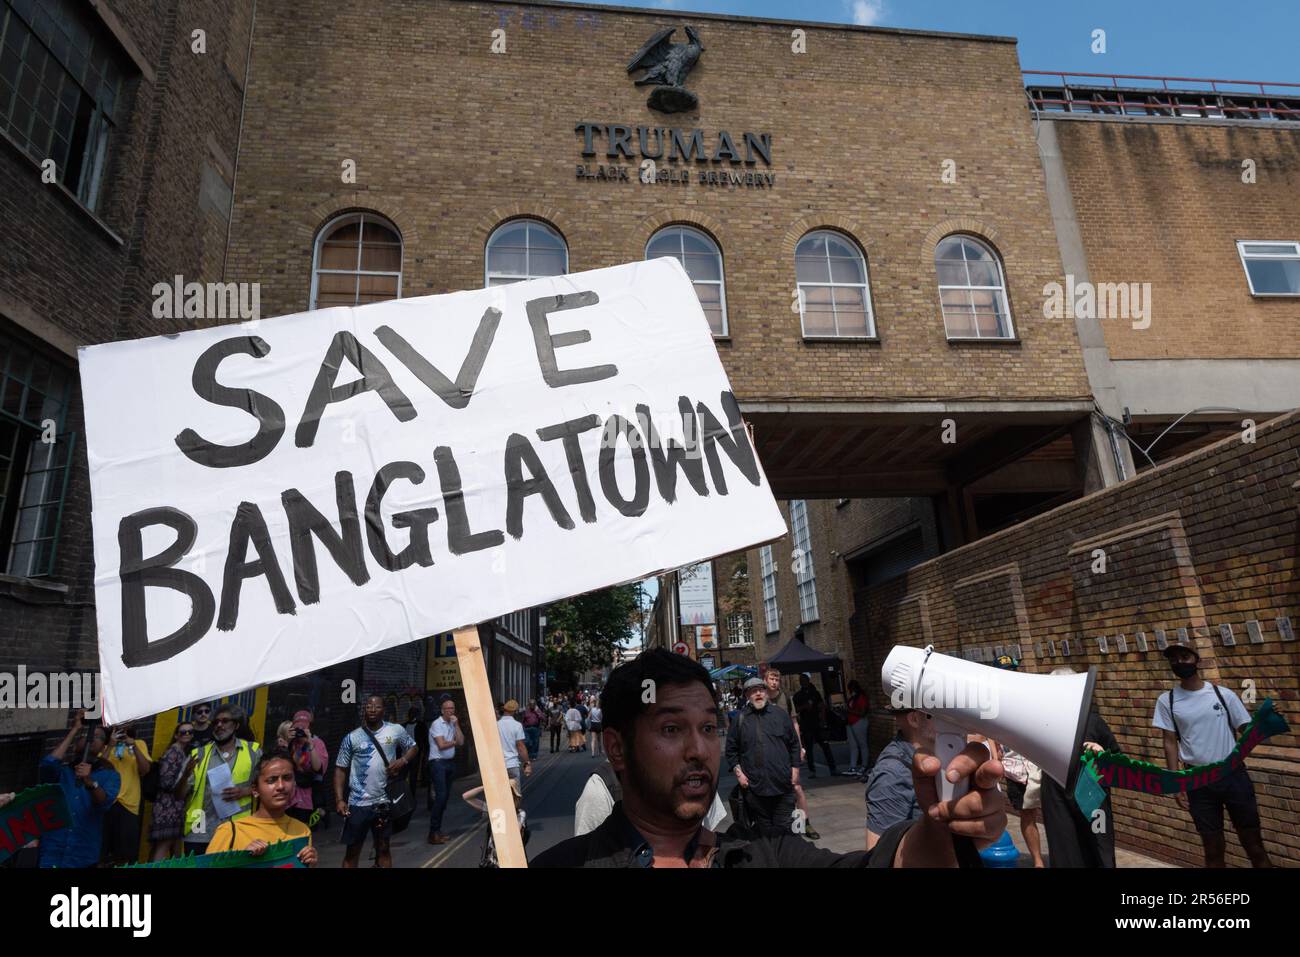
(1118, 94)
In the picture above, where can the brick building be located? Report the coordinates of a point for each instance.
(1203, 546)
(871, 221)
(117, 146)
(1165, 203)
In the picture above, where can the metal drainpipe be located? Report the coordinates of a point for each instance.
(1115, 450)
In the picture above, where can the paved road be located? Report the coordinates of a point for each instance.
(836, 808)
(549, 798)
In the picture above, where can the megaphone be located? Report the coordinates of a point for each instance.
(1041, 716)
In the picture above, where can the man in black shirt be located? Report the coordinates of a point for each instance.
(661, 736)
(763, 751)
(812, 712)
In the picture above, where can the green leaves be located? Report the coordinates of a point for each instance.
(582, 632)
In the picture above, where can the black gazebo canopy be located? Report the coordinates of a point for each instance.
(797, 656)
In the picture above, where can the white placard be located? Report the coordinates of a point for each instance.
(695, 594)
(274, 497)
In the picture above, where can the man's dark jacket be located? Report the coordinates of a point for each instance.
(766, 747)
(617, 843)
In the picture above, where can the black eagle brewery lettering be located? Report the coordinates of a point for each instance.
(351, 529)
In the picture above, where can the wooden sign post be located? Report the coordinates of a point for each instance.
(491, 761)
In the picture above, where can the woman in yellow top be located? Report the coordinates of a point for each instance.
(273, 787)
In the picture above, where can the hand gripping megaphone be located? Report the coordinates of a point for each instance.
(1041, 716)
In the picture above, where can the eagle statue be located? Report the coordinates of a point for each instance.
(666, 65)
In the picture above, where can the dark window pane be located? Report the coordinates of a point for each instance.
(810, 269)
(811, 246)
(13, 396)
(338, 256)
(546, 262)
(373, 232)
(506, 260)
(347, 233)
(984, 274)
(381, 258)
(847, 270)
(663, 245)
(701, 266)
(694, 243)
(1275, 276)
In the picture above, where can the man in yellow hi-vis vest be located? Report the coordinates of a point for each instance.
(227, 761)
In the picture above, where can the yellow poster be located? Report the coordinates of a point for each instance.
(442, 669)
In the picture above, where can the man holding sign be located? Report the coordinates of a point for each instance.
(331, 484)
(661, 735)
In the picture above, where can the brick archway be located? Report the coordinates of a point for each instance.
(317, 216)
(840, 224)
(960, 224)
(683, 216)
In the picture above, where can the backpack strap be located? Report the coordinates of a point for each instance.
(611, 781)
(1177, 735)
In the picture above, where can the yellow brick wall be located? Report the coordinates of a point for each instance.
(1166, 204)
(450, 139)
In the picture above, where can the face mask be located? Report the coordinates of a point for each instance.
(1184, 669)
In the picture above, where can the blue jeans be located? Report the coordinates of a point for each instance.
(441, 771)
(533, 740)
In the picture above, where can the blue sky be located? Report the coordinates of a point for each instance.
(1253, 40)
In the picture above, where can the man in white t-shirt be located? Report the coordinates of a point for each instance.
(514, 744)
(445, 736)
(1201, 727)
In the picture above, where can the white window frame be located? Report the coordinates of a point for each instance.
(805, 580)
(720, 282)
(771, 610)
(343, 220)
(865, 286)
(742, 625)
(1241, 254)
(1001, 289)
(528, 251)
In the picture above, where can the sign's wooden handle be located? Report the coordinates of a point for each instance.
(491, 761)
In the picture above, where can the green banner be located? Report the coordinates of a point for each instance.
(279, 854)
(1104, 769)
(30, 814)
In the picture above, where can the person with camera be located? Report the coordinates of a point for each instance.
(370, 765)
(90, 787)
(130, 759)
(309, 760)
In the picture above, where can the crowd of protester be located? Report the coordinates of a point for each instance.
(214, 787)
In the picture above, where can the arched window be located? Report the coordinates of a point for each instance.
(703, 263)
(972, 289)
(358, 260)
(524, 249)
(834, 295)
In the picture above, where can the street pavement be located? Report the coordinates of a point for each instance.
(836, 808)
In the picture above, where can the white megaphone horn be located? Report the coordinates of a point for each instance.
(1041, 716)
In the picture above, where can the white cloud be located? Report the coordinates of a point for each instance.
(867, 12)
